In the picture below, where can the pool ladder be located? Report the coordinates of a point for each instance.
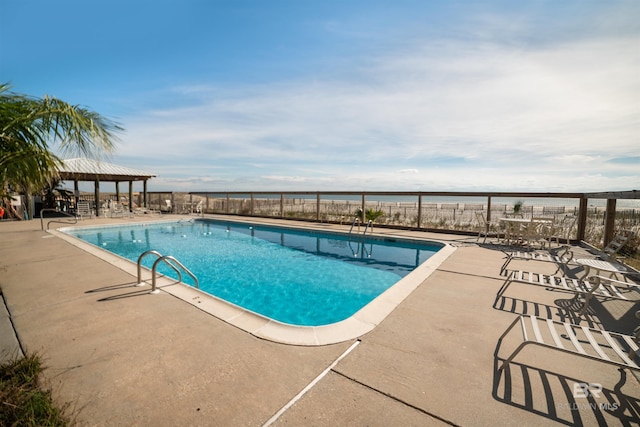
(176, 265)
(369, 224)
(356, 220)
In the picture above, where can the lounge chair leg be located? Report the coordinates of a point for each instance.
(504, 287)
(506, 263)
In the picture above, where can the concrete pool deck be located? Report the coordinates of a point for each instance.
(123, 357)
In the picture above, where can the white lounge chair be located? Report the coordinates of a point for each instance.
(608, 347)
(141, 210)
(599, 286)
(613, 247)
(609, 261)
(562, 259)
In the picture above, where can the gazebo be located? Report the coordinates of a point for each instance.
(80, 169)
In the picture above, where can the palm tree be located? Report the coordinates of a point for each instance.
(33, 130)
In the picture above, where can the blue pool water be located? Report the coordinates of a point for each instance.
(293, 276)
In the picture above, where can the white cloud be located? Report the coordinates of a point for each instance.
(444, 115)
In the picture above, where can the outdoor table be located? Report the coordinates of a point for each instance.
(523, 227)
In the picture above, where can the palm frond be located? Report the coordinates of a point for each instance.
(31, 129)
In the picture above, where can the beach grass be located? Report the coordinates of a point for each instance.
(24, 401)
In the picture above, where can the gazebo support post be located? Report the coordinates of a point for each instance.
(130, 196)
(96, 195)
(144, 202)
(76, 193)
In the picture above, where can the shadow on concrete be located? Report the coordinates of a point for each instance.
(568, 309)
(566, 400)
(140, 291)
(112, 287)
(127, 295)
(565, 310)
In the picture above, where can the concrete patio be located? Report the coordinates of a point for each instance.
(123, 357)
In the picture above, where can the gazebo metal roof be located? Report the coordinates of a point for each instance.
(92, 170)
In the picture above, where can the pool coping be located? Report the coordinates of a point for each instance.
(360, 323)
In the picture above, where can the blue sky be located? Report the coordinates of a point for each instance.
(356, 95)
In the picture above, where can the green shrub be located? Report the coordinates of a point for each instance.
(370, 214)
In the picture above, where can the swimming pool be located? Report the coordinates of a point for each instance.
(304, 278)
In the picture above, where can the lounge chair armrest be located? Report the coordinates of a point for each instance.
(598, 279)
(566, 252)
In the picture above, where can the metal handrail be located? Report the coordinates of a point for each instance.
(355, 220)
(56, 220)
(144, 254)
(370, 223)
(167, 260)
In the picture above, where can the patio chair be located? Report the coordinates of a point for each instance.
(485, 227)
(608, 347)
(526, 231)
(564, 229)
(83, 209)
(599, 286)
(562, 259)
(540, 231)
(118, 210)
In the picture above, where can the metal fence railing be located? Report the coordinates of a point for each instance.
(590, 217)
(594, 217)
